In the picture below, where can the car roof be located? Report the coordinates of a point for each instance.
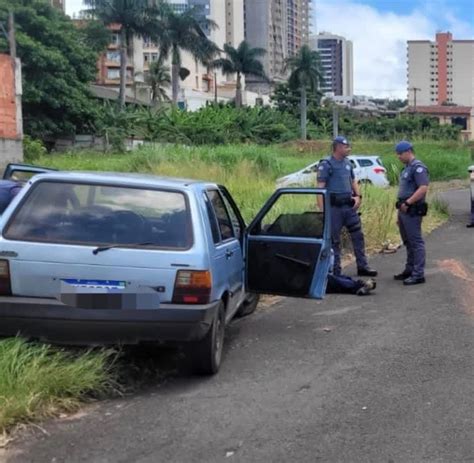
(121, 178)
(365, 156)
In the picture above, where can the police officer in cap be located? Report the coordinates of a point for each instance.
(336, 174)
(411, 205)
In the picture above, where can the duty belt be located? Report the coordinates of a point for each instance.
(340, 200)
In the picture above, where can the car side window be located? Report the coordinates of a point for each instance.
(223, 219)
(233, 215)
(216, 237)
(365, 162)
(354, 164)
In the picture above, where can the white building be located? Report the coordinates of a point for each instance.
(441, 72)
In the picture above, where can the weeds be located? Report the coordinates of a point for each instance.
(37, 380)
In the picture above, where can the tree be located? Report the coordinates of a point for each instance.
(183, 32)
(241, 60)
(158, 78)
(306, 74)
(135, 17)
(56, 69)
(96, 35)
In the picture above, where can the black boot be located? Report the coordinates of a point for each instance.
(366, 272)
(402, 276)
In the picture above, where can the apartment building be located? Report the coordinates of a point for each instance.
(60, 4)
(109, 62)
(441, 72)
(336, 62)
(202, 84)
(279, 26)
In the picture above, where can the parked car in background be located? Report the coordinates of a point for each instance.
(367, 169)
(99, 258)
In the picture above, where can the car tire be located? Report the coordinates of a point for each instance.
(249, 305)
(206, 354)
(365, 181)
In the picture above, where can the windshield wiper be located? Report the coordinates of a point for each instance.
(123, 245)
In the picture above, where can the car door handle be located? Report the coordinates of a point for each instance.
(229, 253)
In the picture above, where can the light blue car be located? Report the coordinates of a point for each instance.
(100, 258)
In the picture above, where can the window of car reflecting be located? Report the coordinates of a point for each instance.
(233, 215)
(216, 236)
(223, 219)
(294, 214)
(80, 213)
(365, 162)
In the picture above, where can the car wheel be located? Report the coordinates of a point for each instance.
(365, 181)
(206, 354)
(249, 305)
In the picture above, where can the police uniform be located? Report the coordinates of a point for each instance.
(414, 175)
(338, 177)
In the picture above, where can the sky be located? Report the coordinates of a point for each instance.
(379, 30)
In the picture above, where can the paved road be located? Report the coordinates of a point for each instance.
(386, 378)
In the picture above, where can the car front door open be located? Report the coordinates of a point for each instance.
(287, 245)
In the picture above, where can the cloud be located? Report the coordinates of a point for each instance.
(380, 39)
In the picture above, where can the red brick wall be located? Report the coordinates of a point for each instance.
(8, 127)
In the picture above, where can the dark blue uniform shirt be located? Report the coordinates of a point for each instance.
(338, 175)
(8, 190)
(412, 177)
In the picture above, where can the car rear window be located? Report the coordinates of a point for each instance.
(58, 212)
(365, 162)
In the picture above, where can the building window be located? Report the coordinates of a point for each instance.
(115, 38)
(113, 74)
(113, 56)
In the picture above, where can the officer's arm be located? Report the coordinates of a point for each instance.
(418, 195)
(422, 181)
(355, 188)
(320, 184)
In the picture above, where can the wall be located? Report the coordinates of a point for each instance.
(11, 132)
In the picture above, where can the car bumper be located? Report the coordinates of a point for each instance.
(52, 321)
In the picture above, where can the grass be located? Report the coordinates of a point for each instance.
(37, 380)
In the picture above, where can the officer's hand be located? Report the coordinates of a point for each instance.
(404, 208)
(356, 202)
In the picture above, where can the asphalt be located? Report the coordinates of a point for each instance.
(383, 378)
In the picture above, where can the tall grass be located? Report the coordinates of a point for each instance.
(37, 380)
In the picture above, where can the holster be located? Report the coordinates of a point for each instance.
(417, 209)
(341, 200)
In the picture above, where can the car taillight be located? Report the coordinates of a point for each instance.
(192, 287)
(379, 170)
(5, 286)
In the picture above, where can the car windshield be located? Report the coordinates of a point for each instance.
(58, 212)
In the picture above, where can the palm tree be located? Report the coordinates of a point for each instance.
(135, 17)
(158, 78)
(183, 32)
(306, 73)
(241, 60)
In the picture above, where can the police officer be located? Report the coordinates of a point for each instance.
(336, 174)
(471, 223)
(413, 186)
(8, 190)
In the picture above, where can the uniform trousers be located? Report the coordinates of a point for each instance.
(410, 232)
(347, 216)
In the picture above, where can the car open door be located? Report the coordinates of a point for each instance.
(23, 172)
(287, 245)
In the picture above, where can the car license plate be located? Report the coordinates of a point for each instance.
(107, 285)
(106, 294)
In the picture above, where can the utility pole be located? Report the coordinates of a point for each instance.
(414, 89)
(335, 121)
(215, 87)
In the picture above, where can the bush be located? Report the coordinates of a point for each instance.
(32, 149)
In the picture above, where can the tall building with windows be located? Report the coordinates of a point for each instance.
(441, 72)
(336, 62)
(281, 27)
